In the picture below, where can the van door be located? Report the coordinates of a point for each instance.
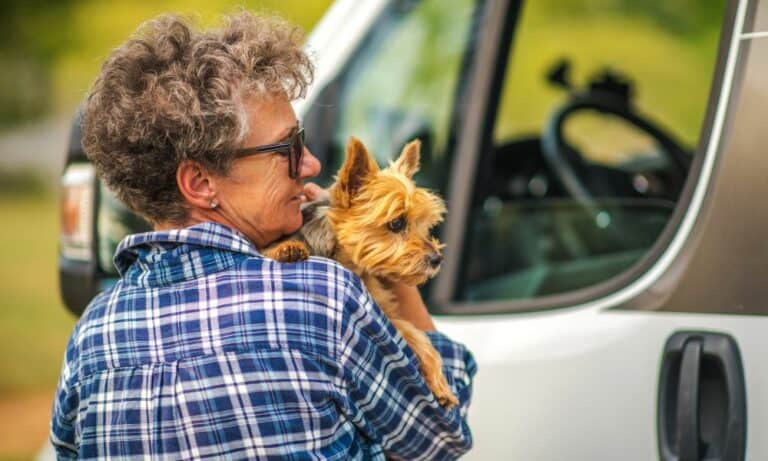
(605, 260)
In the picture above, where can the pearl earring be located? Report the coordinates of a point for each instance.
(214, 204)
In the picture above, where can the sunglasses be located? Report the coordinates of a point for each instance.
(292, 147)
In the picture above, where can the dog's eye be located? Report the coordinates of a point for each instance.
(397, 225)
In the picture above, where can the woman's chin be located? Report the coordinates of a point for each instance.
(293, 224)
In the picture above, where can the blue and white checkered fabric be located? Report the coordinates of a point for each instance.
(206, 349)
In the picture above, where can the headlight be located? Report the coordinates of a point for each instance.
(77, 196)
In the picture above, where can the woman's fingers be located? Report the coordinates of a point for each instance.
(314, 192)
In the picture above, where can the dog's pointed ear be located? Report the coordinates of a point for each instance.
(408, 162)
(358, 167)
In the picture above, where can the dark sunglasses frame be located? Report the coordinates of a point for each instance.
(292, 147)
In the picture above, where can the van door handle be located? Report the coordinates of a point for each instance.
(702, 400)
(688, 401)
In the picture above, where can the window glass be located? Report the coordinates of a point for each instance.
(600, 115)
(401, 84)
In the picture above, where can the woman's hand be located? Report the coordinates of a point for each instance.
(412, 307)
(314, 192)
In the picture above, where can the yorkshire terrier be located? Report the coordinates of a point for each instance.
(377, 224)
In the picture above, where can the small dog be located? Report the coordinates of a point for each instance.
(377, 224)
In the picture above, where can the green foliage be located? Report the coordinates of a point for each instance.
(22, 183)
(32, 34)
(51, 50)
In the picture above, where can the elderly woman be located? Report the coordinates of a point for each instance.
(205, 348)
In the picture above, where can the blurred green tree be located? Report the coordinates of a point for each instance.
(50, 50)
(32, 34)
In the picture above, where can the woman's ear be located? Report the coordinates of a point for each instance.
(196, 185)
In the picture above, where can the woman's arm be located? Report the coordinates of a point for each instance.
(389, 401)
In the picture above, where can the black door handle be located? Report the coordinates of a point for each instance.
(702, 401)
(688, 402)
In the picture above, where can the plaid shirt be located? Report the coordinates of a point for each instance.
(206, 349)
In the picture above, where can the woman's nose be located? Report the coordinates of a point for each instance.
(310, 165)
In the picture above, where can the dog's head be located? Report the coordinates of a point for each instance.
(382, 219)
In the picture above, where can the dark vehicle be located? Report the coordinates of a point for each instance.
(603, 169)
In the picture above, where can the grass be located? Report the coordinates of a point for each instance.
(34, 325)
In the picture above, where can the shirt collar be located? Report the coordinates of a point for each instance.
(163, 257)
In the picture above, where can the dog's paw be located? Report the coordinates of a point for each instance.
(447, 400)
(443, 393)
(288, 252)
(432, 371)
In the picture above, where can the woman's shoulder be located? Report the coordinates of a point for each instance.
(315, 269)
(322, 279)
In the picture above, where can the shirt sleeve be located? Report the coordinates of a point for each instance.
(389, 400)
(65, 408)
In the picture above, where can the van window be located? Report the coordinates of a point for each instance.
(402, 82)
(600, 116)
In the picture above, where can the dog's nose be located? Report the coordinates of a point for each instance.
(434, 259)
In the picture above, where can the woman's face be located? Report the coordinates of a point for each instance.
(258, 197)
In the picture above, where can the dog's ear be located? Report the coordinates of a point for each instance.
(408, 162)
(358, 167)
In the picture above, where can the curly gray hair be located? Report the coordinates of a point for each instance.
(172, 92)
